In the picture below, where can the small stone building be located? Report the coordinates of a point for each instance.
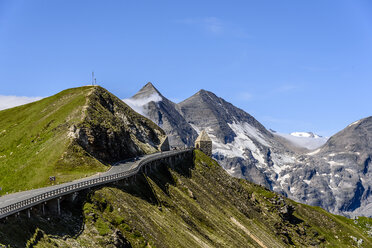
(204, 143)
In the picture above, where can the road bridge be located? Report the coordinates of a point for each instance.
(24, 201)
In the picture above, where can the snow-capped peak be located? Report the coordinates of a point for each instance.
(306, 135)
(307, 140)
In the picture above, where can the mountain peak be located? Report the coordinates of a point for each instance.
(203, 92)
(149, 85)
(356, 137)
(144, 96)
(147, 91)
(151, 103)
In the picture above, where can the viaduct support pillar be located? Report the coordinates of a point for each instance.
(58, 206)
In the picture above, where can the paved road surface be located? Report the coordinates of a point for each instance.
(14, 198)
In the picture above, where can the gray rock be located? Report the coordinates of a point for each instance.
(111, 131)
(336, 176)
(163, 112)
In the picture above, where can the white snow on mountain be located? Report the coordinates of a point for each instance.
(243, 141)
(195, 128)
(248, 130)
(327, 178)
(354, 123)
(139, 104)
(314, 152)
(246, 140)
(307, 140)
(306, 135)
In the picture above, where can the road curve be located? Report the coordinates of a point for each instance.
(13, 203)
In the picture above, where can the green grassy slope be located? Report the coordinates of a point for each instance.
(34, 137)
(195, 204)
(68, 135)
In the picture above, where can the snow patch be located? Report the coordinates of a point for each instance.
(243, 141)
(281, 163)
(249, 131)
(195, 128)
(293, 190)
(307, 140)
(314, 152)
(333, 163)
(306, 135)
(232, 170)
(283, 179)
(339, 153)
(277, 169)
(354, 123)
(307, 182)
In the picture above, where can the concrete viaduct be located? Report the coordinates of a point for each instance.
(13, 204)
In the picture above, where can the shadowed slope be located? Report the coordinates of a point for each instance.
(197, 204)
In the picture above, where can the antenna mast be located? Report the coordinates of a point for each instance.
(93, 79)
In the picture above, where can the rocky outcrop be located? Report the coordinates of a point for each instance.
(348, 154)
(152, 104)
(207, 111)
(112, 131)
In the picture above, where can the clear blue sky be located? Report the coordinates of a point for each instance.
(294, 65)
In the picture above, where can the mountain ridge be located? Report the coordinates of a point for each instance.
(72, 134)
(246, 149)
(193, 203)
(165, 114)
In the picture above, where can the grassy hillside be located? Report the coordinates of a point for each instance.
(193, 204)
(69, 135)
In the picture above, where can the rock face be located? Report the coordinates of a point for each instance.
(111, 131)
(205, 110)
(335, 177)
(242, 145)
(149, 102)
(349, 154)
